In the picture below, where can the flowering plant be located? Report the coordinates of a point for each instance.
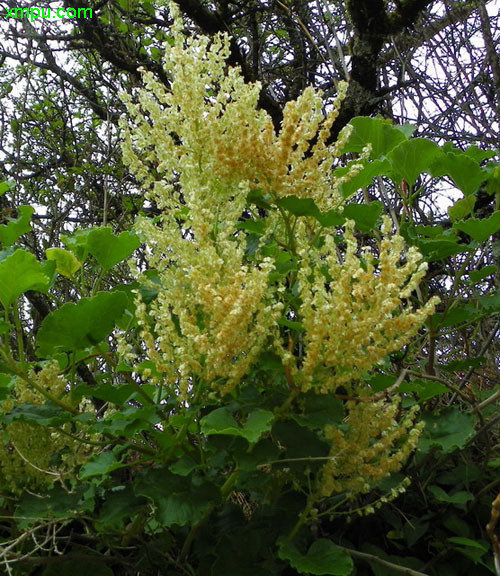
(250, 385)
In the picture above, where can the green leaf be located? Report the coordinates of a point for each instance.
(27, 272)
(178, 501)
(257, 227)
(221, 421)
(462, 208)
(184, 466)
(364, 177)
(6, 385)
(465, 364)
(323, 557)
(100, 464)
(119, 505)
(292, 324)
(365, 216)
(439, 249)
(425, 389)
(490, 303)
(458, 498)
(478, 275)
(299, 206)
(480, 230)
(381, 134)
(320, 411)
(448, 430)
(77, 326)
(10, 232)
(6, 186)
(467, 542)
(47, 414)
(463, 170)
(109, 249)
(118, 395)
(307, 207)
(57, 503)
(66, 262)
(413, 157)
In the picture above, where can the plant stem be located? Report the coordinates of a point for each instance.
(376, 560)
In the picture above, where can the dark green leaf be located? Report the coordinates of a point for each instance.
(364, 178)
(57, 503)
(441, 248)
(41, 414)
(462, 208)
(178, 501)
(100, 464)
(425, 389)
(323, 557)
(77, 326)
(221, 421)
(448, 430)
(320, 411)
(458, 498)
(79, 567)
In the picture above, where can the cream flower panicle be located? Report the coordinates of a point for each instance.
(359, 315)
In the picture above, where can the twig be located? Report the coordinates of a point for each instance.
(376, 560)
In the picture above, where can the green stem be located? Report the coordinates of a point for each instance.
(303, 518)
(19, 334)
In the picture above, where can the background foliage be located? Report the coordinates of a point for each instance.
(114, 492)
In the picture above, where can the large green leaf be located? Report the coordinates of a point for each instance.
(47, 414)
(448, 430)
(365, 216)
(100, 464)
(463, 170)
(413, 157)
(77, 326)
(480, 230)
(381, 134)
(179, 501)
(57, 503)
(109, 249)
(320, 411)
(221, 421)
(10, 232)
(440, 248)
(323, 557)
(19, 273)
(364, 177)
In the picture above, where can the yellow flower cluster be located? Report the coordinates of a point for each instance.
(212, 317)
(34, 457)
(371, 445)
(204, 135)
(199, 147)
(352, 308)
